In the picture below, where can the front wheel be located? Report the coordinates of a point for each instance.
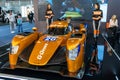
(81, 72)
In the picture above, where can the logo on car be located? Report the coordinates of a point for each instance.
(41, 52)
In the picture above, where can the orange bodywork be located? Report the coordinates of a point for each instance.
(44, 50)
(59, 24)
(46, 45)
(22, 42)
(75, 65)
(49, 46)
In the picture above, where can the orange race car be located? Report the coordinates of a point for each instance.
(60, 50)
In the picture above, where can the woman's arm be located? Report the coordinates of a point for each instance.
(110, 23)
(116, 23)
(94, 18)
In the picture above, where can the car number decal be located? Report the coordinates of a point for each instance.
(50, 38)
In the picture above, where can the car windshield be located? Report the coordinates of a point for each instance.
(57, 31)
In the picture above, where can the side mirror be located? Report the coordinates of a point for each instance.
(83, 30)
(34, 29)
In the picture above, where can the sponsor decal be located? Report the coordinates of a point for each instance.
(41, 52)
(73, 54)
(50, 38)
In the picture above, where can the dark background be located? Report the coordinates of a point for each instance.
(113, 8)
(85, 7)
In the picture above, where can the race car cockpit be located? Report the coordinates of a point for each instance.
(59, 28)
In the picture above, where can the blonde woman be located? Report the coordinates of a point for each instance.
(113, 24)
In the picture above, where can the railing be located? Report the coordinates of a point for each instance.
(15, 77)
(118, 57)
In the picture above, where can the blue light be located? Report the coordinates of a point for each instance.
(100, 52)
(50, 1)
(78, 49)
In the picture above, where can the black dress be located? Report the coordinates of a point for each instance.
(49, 15)
(97, 13)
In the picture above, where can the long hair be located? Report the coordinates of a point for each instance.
(114, 18)
(48, 7)
(97, 5)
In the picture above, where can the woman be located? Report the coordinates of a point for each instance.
(49, 15)
(113, 24)
(97, 15)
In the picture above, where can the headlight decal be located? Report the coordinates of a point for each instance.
(14, 49)
(74, 53)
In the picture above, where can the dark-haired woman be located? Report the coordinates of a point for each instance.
(97, 15)
(113, 26)
(49, 15)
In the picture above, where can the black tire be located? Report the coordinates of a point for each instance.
(81, 72)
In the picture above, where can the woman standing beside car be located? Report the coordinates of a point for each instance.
(49, 15)
(97, 15)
